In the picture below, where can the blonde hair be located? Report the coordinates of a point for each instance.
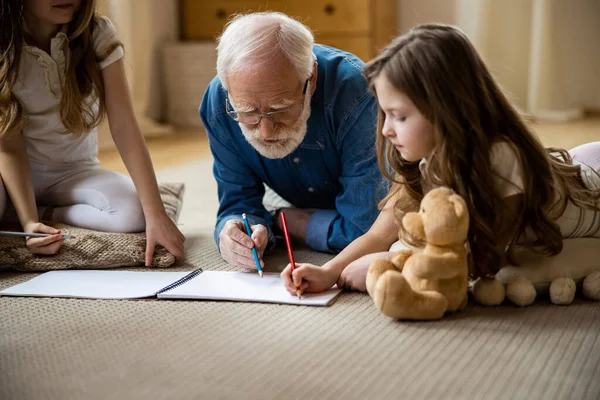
(437, 67)
(83, 76)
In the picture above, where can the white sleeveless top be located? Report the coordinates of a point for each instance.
(508, 181)
(38, 88)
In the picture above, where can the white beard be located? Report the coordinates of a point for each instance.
(290, 138)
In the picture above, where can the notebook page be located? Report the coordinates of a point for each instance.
(93, 284)
(245, 286)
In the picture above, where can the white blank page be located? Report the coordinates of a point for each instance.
(245, 286)
(95, 284)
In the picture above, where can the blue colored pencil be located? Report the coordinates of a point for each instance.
(10, 233)
(254, 252)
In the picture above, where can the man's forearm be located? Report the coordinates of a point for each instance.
(297, 221)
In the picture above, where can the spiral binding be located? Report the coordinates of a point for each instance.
(181, 281)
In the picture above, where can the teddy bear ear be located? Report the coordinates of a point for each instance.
(459, 205)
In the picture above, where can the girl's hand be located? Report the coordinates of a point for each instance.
(354, 276)
(161, 230)
(308, 278)
(45, 245)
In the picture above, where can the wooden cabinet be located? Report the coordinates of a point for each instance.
(361, 27)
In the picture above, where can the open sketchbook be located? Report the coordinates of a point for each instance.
(198, 285)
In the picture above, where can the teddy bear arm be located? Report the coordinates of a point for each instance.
(437, 266)
(377, 268)
(400, 257)
(413, 223)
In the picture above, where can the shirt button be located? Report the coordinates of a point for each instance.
(296, 160)
(311, 189)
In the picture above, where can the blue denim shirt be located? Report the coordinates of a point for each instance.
(333, 170)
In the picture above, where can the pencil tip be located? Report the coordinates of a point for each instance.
(299, 294)
(260, 273)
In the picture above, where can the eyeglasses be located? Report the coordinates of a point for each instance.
(290, 114)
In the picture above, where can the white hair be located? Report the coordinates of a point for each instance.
(250, 41)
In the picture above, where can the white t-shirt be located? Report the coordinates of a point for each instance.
(508, 181)
(38, 88)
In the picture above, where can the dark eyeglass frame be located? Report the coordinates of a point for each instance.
(234, 115)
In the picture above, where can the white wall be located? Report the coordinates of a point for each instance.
(416, 12)
(143, 26)
(543, 53)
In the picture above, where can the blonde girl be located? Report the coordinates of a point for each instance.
(61, 72)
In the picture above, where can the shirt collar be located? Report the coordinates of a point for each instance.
(423, 165)
(62, 33)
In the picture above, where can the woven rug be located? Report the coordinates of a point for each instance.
(159, 349)
(89, 249)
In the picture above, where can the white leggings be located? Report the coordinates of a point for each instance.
(84, 196)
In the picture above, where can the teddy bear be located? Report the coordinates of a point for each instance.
(578, 264)
(425, 284)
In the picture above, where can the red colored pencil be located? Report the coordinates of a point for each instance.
(288, 242)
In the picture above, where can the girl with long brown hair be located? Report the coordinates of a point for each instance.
(443, 121)
(61, 72)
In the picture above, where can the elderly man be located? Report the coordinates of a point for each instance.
(299, 118)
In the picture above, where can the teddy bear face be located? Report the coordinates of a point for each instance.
(442, 220)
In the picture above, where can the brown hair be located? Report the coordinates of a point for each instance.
(438, 68)
(83, 76)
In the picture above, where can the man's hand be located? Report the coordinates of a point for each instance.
(236, 246)
(297, 221)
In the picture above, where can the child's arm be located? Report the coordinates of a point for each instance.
(132, 147)
(382, 234)
(15, 172)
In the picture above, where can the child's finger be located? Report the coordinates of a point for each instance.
(41, 228)
(299, 274)
(45, 241)
(50, 249)
(149, 252)
(291, 291)
(53, 247)
(53, 240)
(286, 276)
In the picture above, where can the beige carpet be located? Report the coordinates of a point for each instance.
(149, 349)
